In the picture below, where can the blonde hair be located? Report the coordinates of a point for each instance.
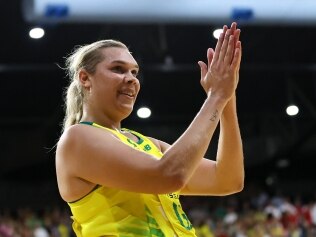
(83, 57)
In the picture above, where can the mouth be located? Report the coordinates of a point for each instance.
(130, 94)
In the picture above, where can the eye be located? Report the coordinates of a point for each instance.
(135, 73)
(118, 69)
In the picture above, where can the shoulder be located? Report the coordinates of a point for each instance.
(79, 144)
(71, 136)
(69, 142)
(78, 137)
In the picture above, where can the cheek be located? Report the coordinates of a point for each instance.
(102, 90)
(138, 87)
(137, 93)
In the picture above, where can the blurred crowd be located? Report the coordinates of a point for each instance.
(259, 215)
(28, 222)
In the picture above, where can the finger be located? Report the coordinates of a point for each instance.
(238, 65)
(210, 55)
(203, 68)
(239, 46)
(233, 27)
(230, 50)
(234, 31)
(219, 43)
(236, 35)
(224, 46)
(237, 57)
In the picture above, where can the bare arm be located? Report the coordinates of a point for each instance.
(230, 159)
(226, 174)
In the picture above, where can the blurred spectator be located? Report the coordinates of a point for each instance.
(273, 210)
(40, 231)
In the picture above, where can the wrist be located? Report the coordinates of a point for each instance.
(217, 98)
(230, 107)
(216, 102)
(231, 101)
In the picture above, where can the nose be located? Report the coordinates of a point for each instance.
(131, 79)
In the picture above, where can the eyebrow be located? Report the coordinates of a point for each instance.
(125, 63)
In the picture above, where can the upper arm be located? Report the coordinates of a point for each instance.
(208, 180)
(99, 157)
(203, 181)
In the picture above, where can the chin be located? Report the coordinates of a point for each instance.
(126, 111)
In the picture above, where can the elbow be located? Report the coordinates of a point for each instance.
(170, 185)
(180, 181)
(230, 189)
(173, 182)
(237, 186)
(232, 186)
(170, 180)
(240, 181)
(237, 183)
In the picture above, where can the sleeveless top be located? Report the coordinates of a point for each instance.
(112, 212)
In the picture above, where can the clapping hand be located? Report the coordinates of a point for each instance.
(219, 77)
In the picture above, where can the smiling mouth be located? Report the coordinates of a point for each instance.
(129, 94)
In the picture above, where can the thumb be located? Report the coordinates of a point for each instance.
(203, 68)
(210, 55)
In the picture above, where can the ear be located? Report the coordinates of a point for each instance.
(85, 79)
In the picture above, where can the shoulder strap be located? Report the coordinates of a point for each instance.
(108, 129)
(144, 142)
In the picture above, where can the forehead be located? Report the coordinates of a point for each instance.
(118, 54)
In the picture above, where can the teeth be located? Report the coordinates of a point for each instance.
(129, 94)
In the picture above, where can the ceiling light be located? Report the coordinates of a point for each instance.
(292, 110)
(217, 33)
(144, 112)
(36, 33)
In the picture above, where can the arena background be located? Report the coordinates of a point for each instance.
(278, 68)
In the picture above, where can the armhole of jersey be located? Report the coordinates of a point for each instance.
(93, 189)
(86, 122)
(143, 138)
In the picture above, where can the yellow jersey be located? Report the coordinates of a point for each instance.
(112, 212)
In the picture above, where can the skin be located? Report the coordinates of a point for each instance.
(87, 156)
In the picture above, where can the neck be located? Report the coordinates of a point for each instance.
(101, 117)
(105, 122)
